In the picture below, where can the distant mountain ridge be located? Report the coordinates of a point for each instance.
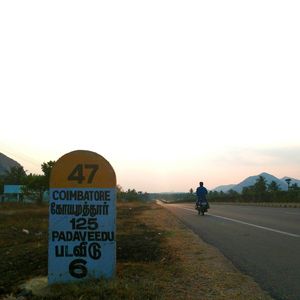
(224, 188)
(252, 179)
(293, 180)
(7, 163)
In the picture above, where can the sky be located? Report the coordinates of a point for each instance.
(169, 92)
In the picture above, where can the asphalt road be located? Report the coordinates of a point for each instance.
(262, 242)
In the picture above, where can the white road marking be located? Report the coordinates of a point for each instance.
(250, 224)
(289, 213)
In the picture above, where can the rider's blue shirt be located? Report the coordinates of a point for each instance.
(201, 194)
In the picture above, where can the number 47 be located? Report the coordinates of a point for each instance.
(77, 173)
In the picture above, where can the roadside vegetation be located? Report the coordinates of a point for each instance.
(260, 192)
(33, 185)
(157, 258)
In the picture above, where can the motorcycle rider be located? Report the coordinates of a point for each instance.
(201, 193)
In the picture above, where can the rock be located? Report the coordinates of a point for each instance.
(37, 286)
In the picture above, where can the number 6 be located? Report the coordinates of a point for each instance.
(77, 268)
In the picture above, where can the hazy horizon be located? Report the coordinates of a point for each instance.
(169, 92)
(175, 191)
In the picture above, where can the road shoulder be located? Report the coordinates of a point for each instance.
(205, 271)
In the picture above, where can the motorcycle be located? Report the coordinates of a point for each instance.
(202, 207)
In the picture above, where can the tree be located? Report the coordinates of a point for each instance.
(232, 193)
(273, 186)
(248, 193)
(295, 187)
(273, 189)
(119, 192)
(36, 185)
(260, 187)
(16, 175)
(47, 168)
(131, 195)
(213, 196)
(288, 181)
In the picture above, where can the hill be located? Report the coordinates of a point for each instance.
(293, 180)
(252, 179)
(224, 188)
(7, 163)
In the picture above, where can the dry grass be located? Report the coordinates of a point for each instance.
(157, 258)
(23, 244)
(202, 272)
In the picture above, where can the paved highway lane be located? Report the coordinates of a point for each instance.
(262, 242)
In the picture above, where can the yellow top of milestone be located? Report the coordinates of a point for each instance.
(82, 169)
